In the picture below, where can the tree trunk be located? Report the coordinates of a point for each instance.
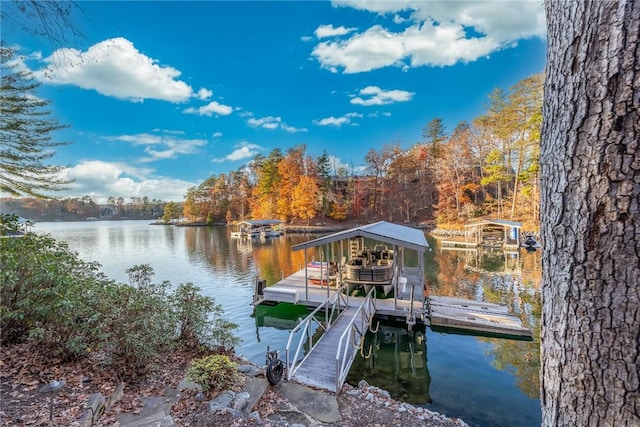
(590, 203)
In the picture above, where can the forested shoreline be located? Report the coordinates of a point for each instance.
(487, 167)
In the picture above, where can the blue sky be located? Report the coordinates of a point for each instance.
(159, 96)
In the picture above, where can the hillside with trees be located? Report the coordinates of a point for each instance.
(486, 167)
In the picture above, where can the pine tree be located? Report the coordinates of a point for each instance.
(26, 135)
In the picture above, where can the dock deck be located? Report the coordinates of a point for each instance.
(475, 316)
(292, 289)
(443, 311)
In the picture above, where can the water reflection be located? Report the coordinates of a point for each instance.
(395, 360)
(485, 381)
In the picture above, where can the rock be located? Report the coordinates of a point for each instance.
(250, 370)
(187, 384)
(369, 396)
(233, 412)
(240, 401)
(316, 404)
(353, 393)
(221, 401)
(385, 393)
(94, 409)
(156, 412)
(363, 384)
(200, 397)
(115, 397)
(256, 388)
(401, 409)
(256, 417)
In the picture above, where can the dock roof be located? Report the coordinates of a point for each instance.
(382, 231)
(260, 221)
(502, 222)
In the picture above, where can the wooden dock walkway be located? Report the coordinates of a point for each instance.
(319, 368)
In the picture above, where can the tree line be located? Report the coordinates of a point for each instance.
(82, 208)
(486, 167)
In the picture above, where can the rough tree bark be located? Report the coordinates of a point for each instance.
(590, 163)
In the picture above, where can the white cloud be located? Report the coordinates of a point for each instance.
(243, 151)
(272, 123)
(101, 180)
(436, 33)
(306, 38)
(373, 95)
(169, 147)
(210, 109)
(217, 134)
(204, 94)
(114, 67)
(324, 31)
(333, 121)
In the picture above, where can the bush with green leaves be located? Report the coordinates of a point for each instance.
(200, 320)
(68, 308)
(48, 294)
(139, 320)
(215, 372)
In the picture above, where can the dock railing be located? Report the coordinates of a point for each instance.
(333, 309)
(353, 336)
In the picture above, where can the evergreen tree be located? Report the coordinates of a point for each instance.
(26, 135)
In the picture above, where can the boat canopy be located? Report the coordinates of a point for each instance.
(501, 222)
(259, 222)
(382, 231)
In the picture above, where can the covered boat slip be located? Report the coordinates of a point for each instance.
(350, 262)
(490, 233)
(332, 335)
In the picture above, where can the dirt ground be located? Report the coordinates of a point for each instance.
(23, 372)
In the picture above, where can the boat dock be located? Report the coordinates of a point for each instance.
(333, 334)
(475, 316)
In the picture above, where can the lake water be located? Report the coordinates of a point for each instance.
(486, 381)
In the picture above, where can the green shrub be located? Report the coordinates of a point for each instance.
(139, 326)
(48, 294)
(200, 320)
(216, 372)
(68, 308)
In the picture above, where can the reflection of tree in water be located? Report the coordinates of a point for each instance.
(513, 279)
(398, 364)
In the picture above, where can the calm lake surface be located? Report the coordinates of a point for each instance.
(486, 381)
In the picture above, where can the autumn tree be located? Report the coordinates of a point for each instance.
(525, 103)
(305, 198)
(172, 211)
(590, 199)
(290, 171)
(264, 192)
(26, 135)
(458, 181)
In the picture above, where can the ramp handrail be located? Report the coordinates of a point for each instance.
(352, 337)
(337, 303)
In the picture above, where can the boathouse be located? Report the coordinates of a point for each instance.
(364, 274)
(494, 233)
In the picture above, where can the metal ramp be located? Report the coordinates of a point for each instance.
(328, 360)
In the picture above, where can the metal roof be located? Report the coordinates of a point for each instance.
(502, 222)
(382, 231)
(260, 221)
